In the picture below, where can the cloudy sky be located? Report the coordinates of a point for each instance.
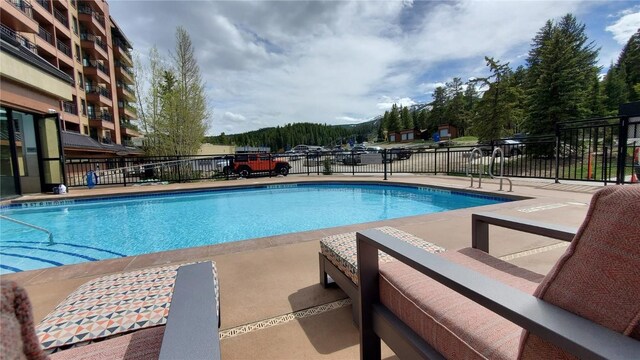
(268, 63)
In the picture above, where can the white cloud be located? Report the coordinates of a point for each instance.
(271, 63)
(386, 102)
(233, 117)
(626, 26)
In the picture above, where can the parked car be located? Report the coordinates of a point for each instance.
(510, 147)
(247, 164)
(401, 153)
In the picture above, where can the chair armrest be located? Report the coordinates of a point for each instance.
(192, 325)
(480, 228)
(574, 334)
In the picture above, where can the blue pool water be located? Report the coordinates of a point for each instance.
(89, 230)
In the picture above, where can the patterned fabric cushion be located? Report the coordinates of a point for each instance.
(598, 276)
(341, 249)
(454, 325)
(111, 305)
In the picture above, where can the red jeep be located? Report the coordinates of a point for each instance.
(247, 164)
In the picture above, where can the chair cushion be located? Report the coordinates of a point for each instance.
(140, 345)
(455, 326)
(597, 277)
(341, 249)
(17, 334)
(111, 305)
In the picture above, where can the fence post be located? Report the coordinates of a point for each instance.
(353, 163)
(448, 159)
(605, 175)
(306, 155)
(435, 160)
(178, 163)
(384, 162)
(622, 149)
(557, 177)
(270, 165)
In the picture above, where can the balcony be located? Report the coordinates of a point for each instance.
(102, 120)
(45, 42)
(124, 72)
(92, 19)
(125, 92)
(61, 17)
(129, 111)
(9, 35)
(129, 129)
(97, 69)
(99, 94)
(70, 108)
(121, 52)
(94, 45)
(18, 15)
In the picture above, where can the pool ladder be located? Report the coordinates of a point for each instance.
(49, 234)
(470, 164)
(501, 176)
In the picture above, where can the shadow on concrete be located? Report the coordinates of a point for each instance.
(330, 331)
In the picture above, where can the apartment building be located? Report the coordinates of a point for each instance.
(66, 89)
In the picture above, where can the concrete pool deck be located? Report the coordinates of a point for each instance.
(263, 281)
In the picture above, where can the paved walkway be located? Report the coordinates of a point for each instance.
(270, 297)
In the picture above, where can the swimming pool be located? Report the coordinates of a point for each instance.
(96, 229)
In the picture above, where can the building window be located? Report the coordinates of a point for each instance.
(86, 129)
(77, 53)
(80, 80)
(84, 107)
(75, 25)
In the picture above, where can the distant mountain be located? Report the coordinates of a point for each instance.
(285, 137)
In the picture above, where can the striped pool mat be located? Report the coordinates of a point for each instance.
(283, 319)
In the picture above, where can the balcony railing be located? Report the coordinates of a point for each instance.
(96, 64)
(70, 108)
(64, 48)
(96, 39)
(24, 6)
(101, 116)
(126, 87)
(61, 17)
(124, 68)
(44, 4)
(128, 125)
(98, 90)
(83, 9)
(16, 39)
(44, 34)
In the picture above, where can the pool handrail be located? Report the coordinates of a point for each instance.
(49, 233)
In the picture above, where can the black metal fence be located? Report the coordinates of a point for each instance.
(588, 150)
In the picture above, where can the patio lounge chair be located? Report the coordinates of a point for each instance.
(427, 306)
(338, 259)
(191, 329)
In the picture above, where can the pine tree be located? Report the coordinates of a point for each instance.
(407, 119)
(394, 119)
(437, 115)
(454, 109)
(615, 89)
(630, 59)
(561, 63)
(422, 119)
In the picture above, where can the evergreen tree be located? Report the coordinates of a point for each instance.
(595, 99)
(454, 109)
(394, 119)
(471, 97)
(615, 89)
(498, 105)
(629, 59)
(422, 119)
(561, 64)
(407, 119)
(437, 115)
